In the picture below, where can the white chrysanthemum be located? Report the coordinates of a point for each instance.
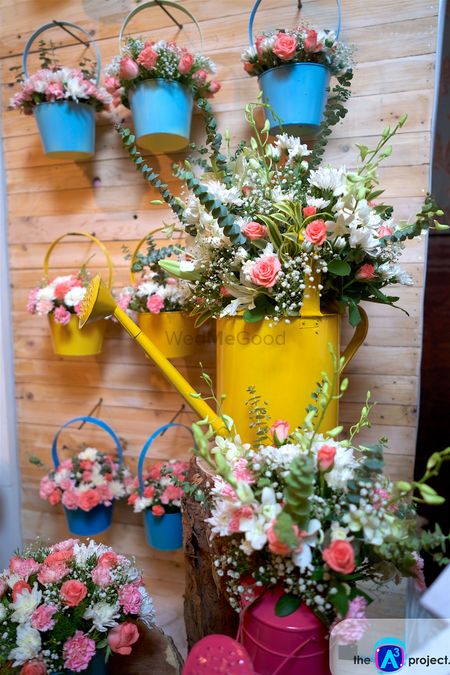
(394, 273)
(318, 202)
(28, 641)
(363, 237)
(25, 603)
(147, 613)
(279, 458)
(62, 279)
(46, 293)
(141, 504)
(225, 195)
(329, 179)
(89, 454)
(147, 288)
(280, 195)
(103, 615)
(76, 88)
(248, 54)
(82, 552)
(221, 516)
(344, 464)
(117, 489)
(97, 478)
(295, 148)
(73, 297)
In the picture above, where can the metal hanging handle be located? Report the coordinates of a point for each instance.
(101, 246)
(255, 9)
(152, 3)
(47, 26)
(146, 447)
(138, 248)
(358, 337)
(90, 420)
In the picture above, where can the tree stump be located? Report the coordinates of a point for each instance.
(154, 653)
(206, 608)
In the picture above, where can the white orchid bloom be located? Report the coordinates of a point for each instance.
(303, 556)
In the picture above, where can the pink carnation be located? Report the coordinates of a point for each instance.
(242, 472)
(23, 567)
(171, 493)
(34, 667)
(124, 301)
(155, 304)
(148, 58)
(46, 487)
(108, 559)
(52, 574)
(101, 576)
(417, 572)
(78, 652)
(42, 618)
(65, 545)
(44, 306)
(62, 315)
(54, 91)
(130, 599)
(31, 304)
(70, 499)
(111, 84)
(242, 512)
(355, 624)
(88, 500)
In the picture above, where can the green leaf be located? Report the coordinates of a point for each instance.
(339, 268)
(287, 604)
(259, 311)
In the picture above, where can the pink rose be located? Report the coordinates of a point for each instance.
(200, 77)
(101, 576)
(309, 211)
(34, 667)
(111, 84)
(214, 87)
(340, 556)
(155, 304)
(265, 271)
(88, 500)
(275, 545)
(254, 230)
(384, 231)
(185, 63)
(285, 47)
(78, 652)
(148, 58)
(158, 510)
(20, 587)
(171, 493)
(54, 91)
(325, 458)
(52, 574)
(121, 637)
(73, 592)
(365, 273)
(130, 599)
(55, 497)
(316, 232)
(108, 559)
(128, 69)
(310, 43)
(42, 617)
(58, 556)
(279, 431)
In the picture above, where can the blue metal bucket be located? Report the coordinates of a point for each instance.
(89, 523)
(67, 129)
(164, 532)
(162, 113)
(297, 92)
(96, 667)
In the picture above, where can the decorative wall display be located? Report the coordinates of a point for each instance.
(64, 100)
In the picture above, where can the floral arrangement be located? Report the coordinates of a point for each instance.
(314, 513)
(61, 604)
(158, 60)
(268, 224)
(163, 488)
(155, 291)
(50, 85)
(86, 480)
(300, 45)
(61, 297)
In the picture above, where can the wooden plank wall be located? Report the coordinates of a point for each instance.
(395, 56)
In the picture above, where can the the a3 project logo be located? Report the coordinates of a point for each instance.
(389, 655)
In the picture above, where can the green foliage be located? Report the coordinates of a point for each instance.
(150, 260)
(287, 604)
(299, 488)
(258, 415)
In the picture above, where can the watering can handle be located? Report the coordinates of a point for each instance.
(47, 26)
(80, 234)
(146, 447)
(152, 3)
(358, 338)
(255, 9)
(90, 420)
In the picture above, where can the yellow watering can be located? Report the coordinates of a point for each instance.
(285, 381)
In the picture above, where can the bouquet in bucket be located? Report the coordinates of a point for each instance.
(62, 605)
(303, 44)
(163, 60)
(86, 480)
(60, 297)
(313, 515)
(269, 221)
(163, 488)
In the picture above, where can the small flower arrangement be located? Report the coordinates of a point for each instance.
(86, 480)
(300, 45)
(163, 488)
(314, 514)
(155, 291)
(158, 60)
(61, 604)
(60, 297)
(50, 85)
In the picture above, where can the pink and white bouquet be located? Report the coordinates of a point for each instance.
(158, 60)
(303, 44)
(62, 604)
(61, 297)
(50, 85)
(163, 488)
(313, 513)
(86, 480)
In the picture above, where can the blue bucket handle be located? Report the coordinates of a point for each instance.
(146, 447)
(255, 9)
(90, 420)
(47, 26)
(152, 3)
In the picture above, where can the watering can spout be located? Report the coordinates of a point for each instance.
(99, 303)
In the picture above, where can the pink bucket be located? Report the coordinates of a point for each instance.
(287, 645)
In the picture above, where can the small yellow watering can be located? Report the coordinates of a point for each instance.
(281, 377)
